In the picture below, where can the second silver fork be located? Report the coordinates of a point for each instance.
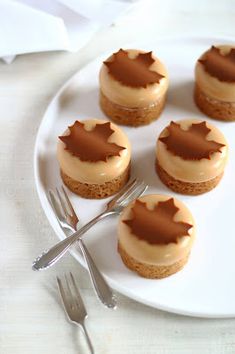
(128, 193)
(68, 220)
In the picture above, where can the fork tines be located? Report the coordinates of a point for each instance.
(133, 190)
(73, 304)
(63, 208)
(71, 298)
(64, 203)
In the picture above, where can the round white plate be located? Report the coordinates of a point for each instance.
(206, 286)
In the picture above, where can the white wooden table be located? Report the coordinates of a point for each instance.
(31, 318)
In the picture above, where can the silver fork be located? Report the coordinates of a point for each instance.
(130, 192)
(74, 306)
(68, 220)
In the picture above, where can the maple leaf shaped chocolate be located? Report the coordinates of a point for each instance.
(190, 144)
(91, 145)
(221, 66)
(157, 226)
(133, 72)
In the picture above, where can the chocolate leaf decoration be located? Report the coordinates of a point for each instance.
(133, 72)
(190, 144)
(157, 226)
(91, 145)
(221, 66)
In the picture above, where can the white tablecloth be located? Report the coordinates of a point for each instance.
(31, 318)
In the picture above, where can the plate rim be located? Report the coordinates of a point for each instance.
(48, 212)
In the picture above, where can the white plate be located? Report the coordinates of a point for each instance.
(206, 286)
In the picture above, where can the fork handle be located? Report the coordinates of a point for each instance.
(82, 325)
(50, 257)
(101, 287)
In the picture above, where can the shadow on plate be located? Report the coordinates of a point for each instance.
(143, 167)
(82, 102)
(181, 97)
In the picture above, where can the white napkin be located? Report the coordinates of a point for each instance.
(28, 26)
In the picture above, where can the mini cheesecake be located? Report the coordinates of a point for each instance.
(214, 91)
(191, 156)
(94, 158)
(155, 235)
(133, 86)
